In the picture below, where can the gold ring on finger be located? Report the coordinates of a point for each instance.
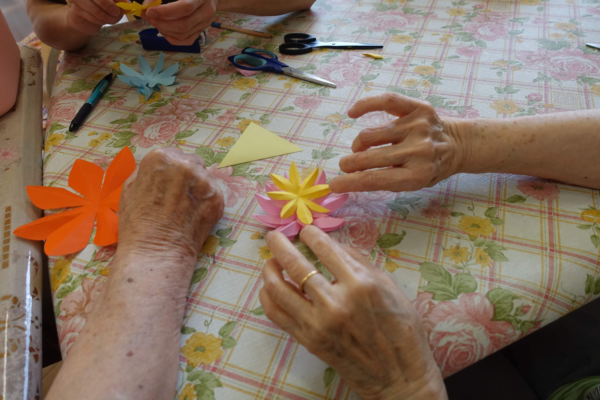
(303, 281)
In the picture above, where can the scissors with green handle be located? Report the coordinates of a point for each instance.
(265, 60)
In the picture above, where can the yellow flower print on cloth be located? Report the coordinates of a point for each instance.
(457, 254)
(60, 273)
(202, 348)
(187, 393)
(298, 194)
(476, 226)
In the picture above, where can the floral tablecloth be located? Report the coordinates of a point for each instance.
(486, 258)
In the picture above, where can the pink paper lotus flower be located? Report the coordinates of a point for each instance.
(292, 225)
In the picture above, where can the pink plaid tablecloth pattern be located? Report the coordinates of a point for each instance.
(486, 258)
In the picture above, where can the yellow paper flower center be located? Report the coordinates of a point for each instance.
(299, 194)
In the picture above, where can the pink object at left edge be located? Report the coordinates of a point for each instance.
(247, 73)
(291, 226)
(10, 67)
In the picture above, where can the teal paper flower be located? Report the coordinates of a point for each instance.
(148, 81)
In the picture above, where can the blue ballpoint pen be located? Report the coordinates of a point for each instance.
(86, 109)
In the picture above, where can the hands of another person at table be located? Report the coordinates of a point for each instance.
(362, 325)
(182, 21)
(168, 206)
(422, 150)
(88, 16)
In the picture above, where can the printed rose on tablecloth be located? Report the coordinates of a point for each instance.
(371, 203)
(381, 21)
(594, 11)
(154, 130)
(69, 331)
(468, 112)
(342, 75)
(82, 302)
(360, 230)
(103, 162)
(234, 187)
(565, 64)
(470, 51)
(538, 189)
(487, 31)
(424, 305)
(65, 106)
(106, 253)
(344, 70)
(307, 102)
(227, 118)
(435, 209)
(182, 109)
(464, 333)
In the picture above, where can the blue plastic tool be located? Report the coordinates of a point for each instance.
(152, 41)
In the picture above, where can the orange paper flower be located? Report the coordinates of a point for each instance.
(69, 231)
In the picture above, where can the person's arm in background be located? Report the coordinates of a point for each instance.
(182, 21)
(265, 7)
(129, 347)
(70, 26)
(422, 149)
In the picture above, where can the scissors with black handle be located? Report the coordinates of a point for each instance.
(593, 45)
(265, 60)
(302, 43)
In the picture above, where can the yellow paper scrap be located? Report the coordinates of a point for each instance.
(257, 143)
(373, 55)
(136, 8)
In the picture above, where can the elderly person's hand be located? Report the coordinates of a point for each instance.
(362, 325)
(167, 209)
(88, 16)
(423, 149)
(168, 206)
(182, 21)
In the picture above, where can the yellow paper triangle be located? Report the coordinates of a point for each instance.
(257, 143)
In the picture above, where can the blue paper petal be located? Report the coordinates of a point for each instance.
(147, 82)
(144, 66)
(146, 91)
(169, 72)
(159, 63)
(130, 72)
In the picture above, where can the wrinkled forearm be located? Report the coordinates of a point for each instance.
(50, 25)
(266, 7)
(129, 347)
(562, 146)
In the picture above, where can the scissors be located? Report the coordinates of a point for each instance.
(302, 43)
(593, 45)
(264, 60)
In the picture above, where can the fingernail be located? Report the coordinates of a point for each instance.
(269, 237)
(332, 185)
(151, 13)
(114, 11)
